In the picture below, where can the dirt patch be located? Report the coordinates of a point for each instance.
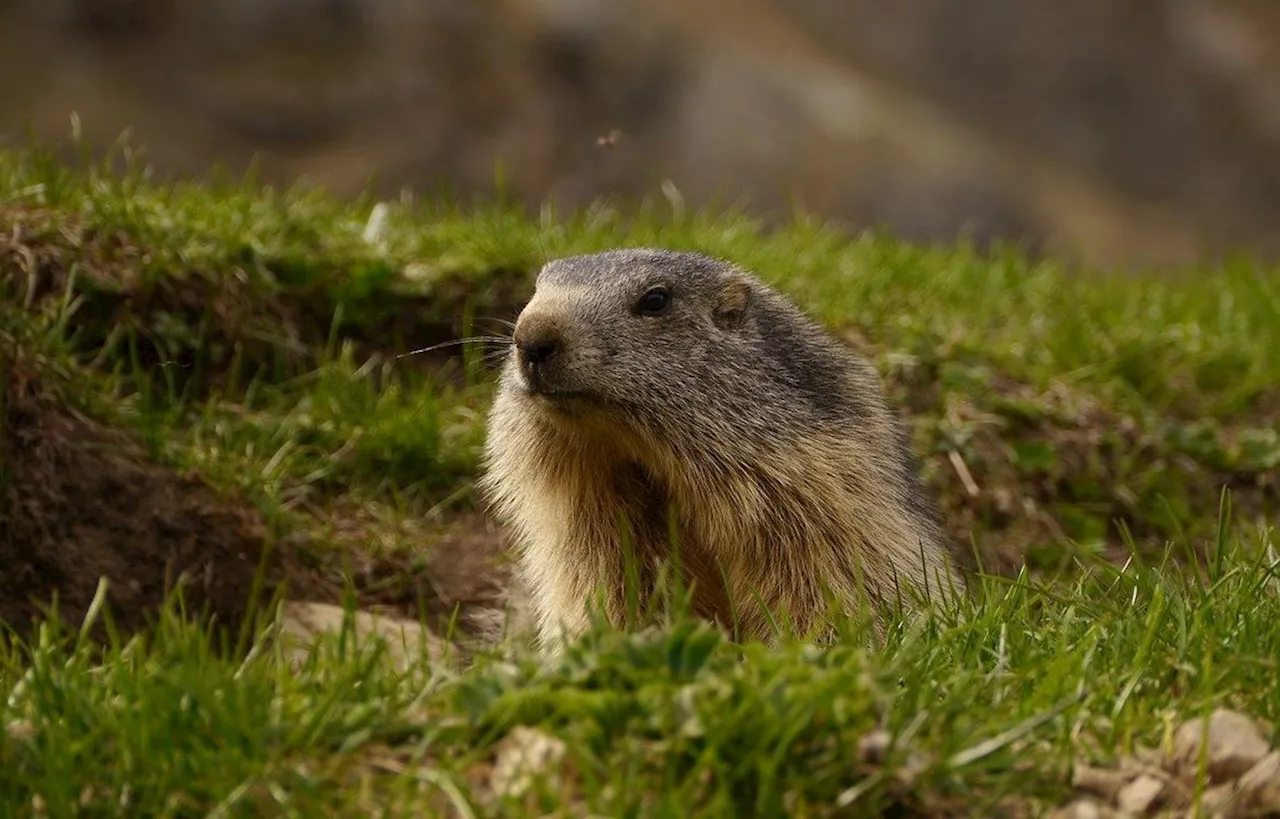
(80, 501)
(449, 571)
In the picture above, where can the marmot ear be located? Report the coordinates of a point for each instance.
(732, 303)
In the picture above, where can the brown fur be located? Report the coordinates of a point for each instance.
(768, 443)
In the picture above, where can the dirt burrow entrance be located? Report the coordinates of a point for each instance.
(80, 500)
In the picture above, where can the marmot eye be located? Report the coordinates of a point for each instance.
(654, 301)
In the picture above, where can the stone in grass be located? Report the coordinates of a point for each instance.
(873, 746)
(1084, 809)
(1257, 793)
(523, 755)
(1104, 783)
(300, 623)
(1234, 744)
(1141, 795)
(1263, 780)
(20, 731)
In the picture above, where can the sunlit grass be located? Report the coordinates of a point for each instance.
(253, 335)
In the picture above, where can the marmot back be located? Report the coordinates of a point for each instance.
(649, 386)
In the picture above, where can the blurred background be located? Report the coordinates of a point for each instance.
(1138, 133)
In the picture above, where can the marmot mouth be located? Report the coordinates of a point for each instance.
(559, 396)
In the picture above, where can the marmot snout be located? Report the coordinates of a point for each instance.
(548, 353)
(649, 386)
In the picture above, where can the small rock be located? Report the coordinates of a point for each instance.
(873, 745)
(1104, 783)
(300, 623)
(522, 755)
(1265, 774)
(21, 730)
(1234, 744)
(1140, 795)
(1257, 793)
(1218, 799)
(1082, 809)
(1144, 755)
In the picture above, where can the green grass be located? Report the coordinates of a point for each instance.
(1102, 397)
(985, 704)
(1186, 346)
(253, 335)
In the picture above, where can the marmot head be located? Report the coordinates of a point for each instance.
(665, 341)
(623, 328)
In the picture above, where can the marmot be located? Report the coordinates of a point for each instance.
(646, 387)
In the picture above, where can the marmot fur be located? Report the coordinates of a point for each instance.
(646, 387)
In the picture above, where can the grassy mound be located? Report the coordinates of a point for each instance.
(254, 335)
(81, 500)
(203, 380)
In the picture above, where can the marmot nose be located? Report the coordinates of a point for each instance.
(536, 348)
